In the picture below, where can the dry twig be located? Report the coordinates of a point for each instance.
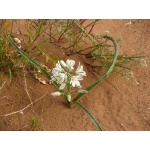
(21, 110)
(26, 89)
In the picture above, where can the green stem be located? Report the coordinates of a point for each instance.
(89, 114)
(35, 63)
(107, 73)
(68, 89)
(85, 32)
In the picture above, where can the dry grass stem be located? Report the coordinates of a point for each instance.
(21, 110)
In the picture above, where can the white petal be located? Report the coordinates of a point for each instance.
(58, 67)
(62, 77)
(77, 84)
(79, 77)
(56, 94)
(59, 77)
(80, 71)
(57, 70)
(74, 82)
(70, 64)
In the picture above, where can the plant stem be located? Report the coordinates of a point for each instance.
(89, 114)
(107, 73)
(93, 26)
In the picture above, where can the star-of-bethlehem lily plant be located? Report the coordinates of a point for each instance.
(67, 78)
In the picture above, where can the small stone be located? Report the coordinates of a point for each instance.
(21, 112)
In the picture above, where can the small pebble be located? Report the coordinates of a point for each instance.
(21, 112)
(129, 23)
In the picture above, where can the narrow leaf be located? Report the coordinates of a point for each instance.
(39, 28)
(89, 114)
(35, 63)
(106, 74)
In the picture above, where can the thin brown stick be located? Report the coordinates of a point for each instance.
(93, 26)
(26, 89)
(21, 110)
(2, 85)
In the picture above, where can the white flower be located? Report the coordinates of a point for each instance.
(75, 81)
(70, 64)
(78, 77)
(59, 74)
(63, 73)
(80, 71)
(56, 94)
(58, 69)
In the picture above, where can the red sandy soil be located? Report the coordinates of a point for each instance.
(116, 103)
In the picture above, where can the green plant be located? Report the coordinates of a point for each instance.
(102, 50)
(76, 99)
(10, 62)
(34, 123)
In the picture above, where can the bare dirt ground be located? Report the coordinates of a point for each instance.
(116, 103)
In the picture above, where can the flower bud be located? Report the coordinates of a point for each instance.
(82, 91)
(56, 94)
(63, 64)
(62, 86)
(69, 98)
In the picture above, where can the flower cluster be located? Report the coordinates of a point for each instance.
(65, 75)
(63, 72)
